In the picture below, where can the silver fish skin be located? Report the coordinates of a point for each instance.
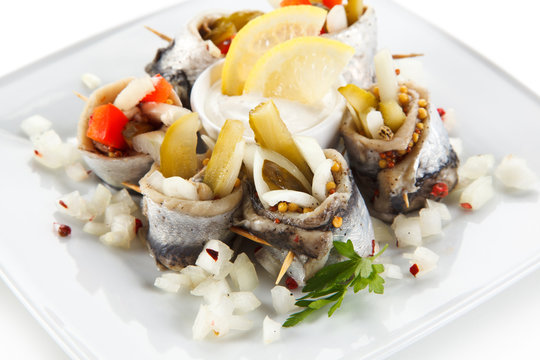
(362, 36)
(179, 229)
(186, 57)
(310, 236)
(113, 171)
(432, 160)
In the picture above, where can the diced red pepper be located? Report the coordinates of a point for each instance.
(106, 124)
(294, 2)
(225, 45)
(466, 206)
(414, 270)
(290, 283)
(162, 90)
(331, 3)
(441, 112)
(439, 190)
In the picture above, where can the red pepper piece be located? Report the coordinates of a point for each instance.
(331, 3)
(414, 270)
(294, 2)
(162, 90)
(106, 125)
(466, 206)
(291, 283)
(439, 190)
(441, 112)
(213, 253)
(225, 45)
(138, 225)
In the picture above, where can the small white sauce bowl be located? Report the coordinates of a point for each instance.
(326, 132)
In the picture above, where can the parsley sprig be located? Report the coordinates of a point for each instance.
(330, 284)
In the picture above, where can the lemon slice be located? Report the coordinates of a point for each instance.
(301, 69)
(263, 33)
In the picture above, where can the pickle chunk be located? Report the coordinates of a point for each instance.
(362, 102)
(278, 178)
(272, 133)
(178, 151)
(226, 160)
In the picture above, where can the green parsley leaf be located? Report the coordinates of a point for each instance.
(330, 284)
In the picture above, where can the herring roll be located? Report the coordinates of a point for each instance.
(201, 43)
(190, 199)
(117, 118)
(361, 34)
(400, 154)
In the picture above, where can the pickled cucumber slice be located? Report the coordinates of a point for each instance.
(393, 114)
(354, 9)
(178, 150)
(362, 102)
(226, 160)
(278, 178)
(272, 133)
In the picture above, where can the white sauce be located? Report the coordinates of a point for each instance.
(297, 116)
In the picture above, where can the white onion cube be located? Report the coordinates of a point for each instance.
(91, 81)
(211, 290)
(477, 193)
(115, 239)
(149, 143)
(214, 258)
(114, 210)
(35, 125)
(244, 301)
(123, 197)
(283, 300)
(243, 273)
(430, 222)
(101, 199)
(441, 208)
(196, 274)
(407, 230)
(476, 166)
(513, 172)
(96, 228)
(133, 93)
(178, 187)
(76, 172)
(271, 330)
(383, 232)
(74, 205)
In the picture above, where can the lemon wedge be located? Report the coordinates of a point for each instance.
(263, 33)
(302, 69)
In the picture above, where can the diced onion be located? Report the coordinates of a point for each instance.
(133, 93)
(513, 172)
(178, 187)
(76, 172)
(298, 197)
(149, 143)
(392, 271)
(91, 81)
(407, 230)
(321, 177)
(441, 208)
(336, 19)
(243, 273)
(165, 113)
(271, 330)
(196, 274)
(311, 151)
(476, 166)
(425, 259)
(383, 232)
(244, 301)
(35, 125)
(430, 222)
(374, 120)
(214, 258)
(96, 228)
(283, 300)
(478, 193)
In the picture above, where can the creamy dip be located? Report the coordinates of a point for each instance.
(297, 116)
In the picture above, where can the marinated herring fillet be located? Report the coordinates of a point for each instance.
(416, 166)
(362, 36)
(178, 228)
(309, 235)
(131, 165)
(188, 54)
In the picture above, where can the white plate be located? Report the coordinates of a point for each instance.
(100, 303)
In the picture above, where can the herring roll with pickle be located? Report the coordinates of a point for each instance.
(300, 199)
(204, 40)
(355, 24)
(190, 199)
(119, 124)
(398, 148)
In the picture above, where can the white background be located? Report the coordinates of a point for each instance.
(506, 326)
